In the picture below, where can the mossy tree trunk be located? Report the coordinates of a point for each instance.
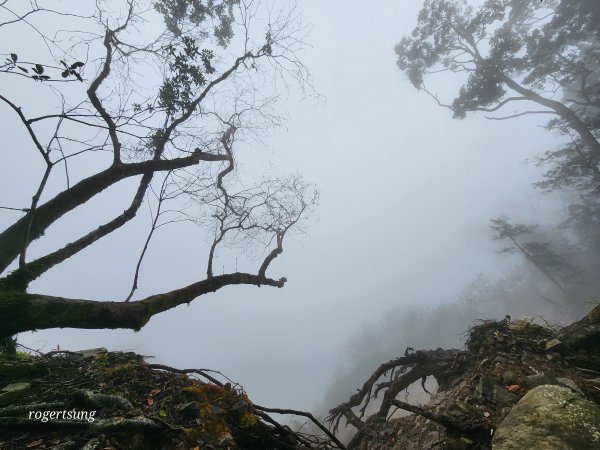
(21, 311)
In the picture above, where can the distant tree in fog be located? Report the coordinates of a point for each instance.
(553, 265)
(512, 52)
(533, 58)
(519, 54)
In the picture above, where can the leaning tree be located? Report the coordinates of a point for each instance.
(515, 58)
(527, 57)
(163, 93)
(514, 53)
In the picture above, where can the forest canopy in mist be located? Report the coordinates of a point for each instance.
(506, 60)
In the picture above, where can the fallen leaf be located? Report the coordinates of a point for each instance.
(513, 388)
(150, 401)
(154, 392)
(34, 443)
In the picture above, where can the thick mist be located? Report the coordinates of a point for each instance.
(399, 252)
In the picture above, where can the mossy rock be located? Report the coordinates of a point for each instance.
(13, 370)
(550, 417)
(12, 392)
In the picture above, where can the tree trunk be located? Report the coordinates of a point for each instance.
(25, 312)
(12, 239)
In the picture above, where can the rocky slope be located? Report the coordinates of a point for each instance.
(100, 400)
(517, 385)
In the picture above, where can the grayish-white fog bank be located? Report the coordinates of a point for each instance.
(406, 197)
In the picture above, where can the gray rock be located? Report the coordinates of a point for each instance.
(539, 379)
(556, 346)
(485, 388)
(546, 378)
(430, 440)
(489, 387)
(567, 382)
(20, 370)
(509, 377)
(527, 360)
(91, 351)
(450, 382)
(12, 392)
(190, 410)
(550, 417)
(504, 397)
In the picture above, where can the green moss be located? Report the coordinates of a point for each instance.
(217, 420)
(101, 360)
(121, 368)
(15, 310)
(17, 281)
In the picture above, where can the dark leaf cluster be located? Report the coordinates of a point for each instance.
(39, 70)
(178, 14)
(187, 68)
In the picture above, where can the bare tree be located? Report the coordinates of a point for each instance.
(161, 92)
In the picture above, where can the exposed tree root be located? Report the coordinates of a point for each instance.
(404, 371)
(486, 341)
(473, 428)
(292, 436)
(127, 403)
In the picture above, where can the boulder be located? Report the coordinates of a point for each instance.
(540, 379)
(550, 417)
(18, 370)
(12, 392)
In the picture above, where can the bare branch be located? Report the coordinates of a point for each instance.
(80, 193)
(31, 215)
(304, 414)
(227, 96)
(520, 114)
(32, 270)
(30, 130)
(153, 228)
(93, 96)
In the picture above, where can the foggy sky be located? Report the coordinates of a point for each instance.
(406, 197)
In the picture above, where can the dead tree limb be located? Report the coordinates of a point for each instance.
(412, 367)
